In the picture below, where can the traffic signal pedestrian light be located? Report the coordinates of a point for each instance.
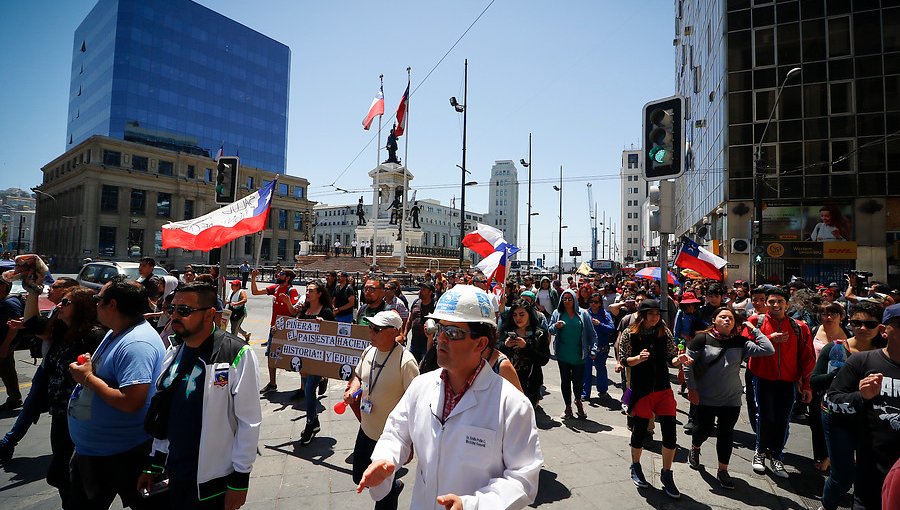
(663, 138)
(227, 179)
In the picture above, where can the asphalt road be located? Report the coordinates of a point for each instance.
(586, 461)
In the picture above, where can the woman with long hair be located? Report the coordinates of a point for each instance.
(715, 386)
(828, 331)
(74, 331)
(584, 296)
(237, 303)
(648, 348)
(526, 342)
(832, 227)
(575, 337)
(316, 306)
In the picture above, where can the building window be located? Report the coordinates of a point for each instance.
(248, 244)
(112, 158)
(191, 172)
(165, 168)
(282, 249)
(209, 175)
(163, 205)
(266, 249)
(298, 221)
(106, 245)
(139, 163)
(841, 98)
(109, 199)
(135, 241)
(188, 209)
(250, 182)
(138, 202)
(283, 189)
(298, 192)
(282, 218)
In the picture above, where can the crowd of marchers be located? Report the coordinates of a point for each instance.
(150, 400)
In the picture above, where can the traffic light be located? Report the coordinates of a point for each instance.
(663, 138)
(662, 196)
(227, 179)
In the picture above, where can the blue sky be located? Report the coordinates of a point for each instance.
(573, 73)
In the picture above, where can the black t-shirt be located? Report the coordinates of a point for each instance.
(342, 296)
(880, 439)
(186, 415)
(417, 315)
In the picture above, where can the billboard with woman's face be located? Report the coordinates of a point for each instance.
(817, 223)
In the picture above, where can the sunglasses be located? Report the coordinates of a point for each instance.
(98, 298)
(829, 314)
(452, 333)
(376, 329)
(868, 324)
(369, 288)
(595, 302)
(182, 310)
(64, 302)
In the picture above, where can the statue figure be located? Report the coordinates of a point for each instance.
(414, 213)
(360, 212)
(396, 206)
(392, 147)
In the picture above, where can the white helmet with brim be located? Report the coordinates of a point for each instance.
(464, 303)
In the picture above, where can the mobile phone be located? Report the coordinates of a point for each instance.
(511, 334)
(156, 488)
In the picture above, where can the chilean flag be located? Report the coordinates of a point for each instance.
(246, 216)
(693, 256)
(377, 108)
(401, 113)
(488, 242)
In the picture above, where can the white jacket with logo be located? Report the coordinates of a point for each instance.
(232, 415)
(487, 451)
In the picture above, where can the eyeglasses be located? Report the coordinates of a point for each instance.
(452, 333)
(64, 302)
(98, 298)
(182, 310)
(567, 299)
(868, 324)
(376, 329)
(595, 302)
(369, 288)
(829, 314)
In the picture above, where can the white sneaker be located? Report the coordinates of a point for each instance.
(778, 469)
(759, 463)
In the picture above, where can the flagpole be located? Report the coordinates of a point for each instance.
(375, 202)
(403, 240)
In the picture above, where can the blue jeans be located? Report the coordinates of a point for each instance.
(774, 401)
(34, 405)
(310, 383)
(346, 317)
(840, 438)
(602, 377)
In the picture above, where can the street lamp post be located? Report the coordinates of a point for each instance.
(462, 108)
(528, 166)
(759, 180)
(560, 190)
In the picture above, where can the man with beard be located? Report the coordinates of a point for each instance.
(281, 287)
(214, 411)
(373, 301)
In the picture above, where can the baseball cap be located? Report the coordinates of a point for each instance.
(427, 285)
(649, 304)
(689, 298)
(235, 282)
(343, 273)
(387, 318)
(890, 313)
(833, 285)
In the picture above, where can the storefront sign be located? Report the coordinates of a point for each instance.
(833, 250)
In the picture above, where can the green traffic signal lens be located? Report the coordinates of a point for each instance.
(658, 154)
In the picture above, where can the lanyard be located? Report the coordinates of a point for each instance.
(373, 382)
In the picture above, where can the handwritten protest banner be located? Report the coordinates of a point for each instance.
(326, 348)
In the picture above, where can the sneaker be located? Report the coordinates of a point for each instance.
(689, 427)
(6, 450)
(312, 428)
(725, 480)
(11, 404)
(637, 476)
(694, 458)
(759, 463)
(581, 414)
(668, 483)
(778, 469)
(268, 388)
(567, 415)
(264, 344)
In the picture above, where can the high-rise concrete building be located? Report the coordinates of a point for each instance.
(503, 200)
(16, 220)
(179, 76)
(826, 165)
(633, 223)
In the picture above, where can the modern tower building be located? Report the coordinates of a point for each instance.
(179, 76)
(827, 157)
(634, 196)
(503, 200)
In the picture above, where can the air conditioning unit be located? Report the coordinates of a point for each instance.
(688, 30)
(739, 245)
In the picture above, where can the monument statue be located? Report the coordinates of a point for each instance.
(392, 147)
(414, 213)
(360, 212)
(396, 206)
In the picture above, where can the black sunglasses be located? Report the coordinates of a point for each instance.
(868, 324)
(182, 310)
(98, 298)
(64, 302)
(376, 329)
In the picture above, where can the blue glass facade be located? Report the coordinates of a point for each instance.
(174, 74)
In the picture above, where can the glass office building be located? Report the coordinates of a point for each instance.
(177, 75)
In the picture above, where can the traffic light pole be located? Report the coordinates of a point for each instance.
(664, 275)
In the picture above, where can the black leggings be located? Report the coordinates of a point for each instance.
(726, 417)
(666, 423)
(572, 381)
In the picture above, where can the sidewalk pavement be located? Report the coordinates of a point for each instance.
(585, 461)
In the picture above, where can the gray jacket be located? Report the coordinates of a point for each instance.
(720, 384)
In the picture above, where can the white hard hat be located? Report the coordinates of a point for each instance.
(464, 303)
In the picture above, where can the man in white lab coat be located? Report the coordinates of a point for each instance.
(473, 432)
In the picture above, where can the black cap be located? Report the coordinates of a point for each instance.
(427, 285)
(649, 304)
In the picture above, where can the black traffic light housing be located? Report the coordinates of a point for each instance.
(664, 138)
(227, 179)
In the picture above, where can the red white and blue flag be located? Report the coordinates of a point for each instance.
(401, 113)
(214, 230)
(695, 257)
(376, 109)
(488, 242)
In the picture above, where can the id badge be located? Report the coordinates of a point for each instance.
(366, 406)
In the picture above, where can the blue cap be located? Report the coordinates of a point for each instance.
(890, 313)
